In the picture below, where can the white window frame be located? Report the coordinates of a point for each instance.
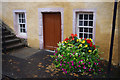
(75, 12)
(16, 26)
(83, 24)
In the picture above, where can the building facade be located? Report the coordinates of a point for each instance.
(43, 24)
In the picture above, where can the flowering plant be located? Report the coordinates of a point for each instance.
(77, 55)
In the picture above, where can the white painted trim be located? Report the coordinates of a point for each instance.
(16, 24)
(75, 11)
(40, 23)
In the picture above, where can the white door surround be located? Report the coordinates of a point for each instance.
(40, 19)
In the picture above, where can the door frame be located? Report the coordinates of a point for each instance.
(40, 23)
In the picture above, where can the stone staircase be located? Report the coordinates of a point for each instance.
(9, 40)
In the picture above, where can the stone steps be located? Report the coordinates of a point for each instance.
(9, 40)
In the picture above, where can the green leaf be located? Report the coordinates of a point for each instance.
(58, 65)
(51, 56)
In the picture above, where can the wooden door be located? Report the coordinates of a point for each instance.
(51, 30)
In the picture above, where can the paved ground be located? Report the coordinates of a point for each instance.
(39, 65)
(24, 52)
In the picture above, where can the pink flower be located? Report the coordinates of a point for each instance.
(79, 66)
(73, 53)
(72, 64)
(89, 69)
(83, 63)
(99, 70)
(70, 55)
(55, 51)
(75, 66)
(62, 69)
(84, 67)
(68, 62)
(60, 64)
(95, 63)
(69, 66)
(98, 62)
(64, 64)
(89, 62)
(62, 55)
(81, 60)
(60, 61)
(66, 72)
(98, 59)
(71, 61)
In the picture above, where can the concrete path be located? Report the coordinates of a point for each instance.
(24, 52)
(40, 65)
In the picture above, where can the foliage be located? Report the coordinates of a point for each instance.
(77, 55)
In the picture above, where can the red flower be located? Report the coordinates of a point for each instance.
(85, 39)
(88, 41)
(76, 35)
(81, 37)
(66, 39)
(91, 44)
(94, 46)
(72, 38)
(72, 35)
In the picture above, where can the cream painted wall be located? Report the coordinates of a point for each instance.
(104, 12)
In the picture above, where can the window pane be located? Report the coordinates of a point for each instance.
(90, 16)
(80, 35)
(22, 15)
(23, 25)
(85, 23)
(90, 36)
(23, 20)
(90, 30)
(81, 16)
(20, 25)
(19, 20)
(19, 15)
(80, 23)
(85, 29)
(20, 30)
(24, 30)
(80, 29)
(90, 23)
(85, 35)
(85, 16)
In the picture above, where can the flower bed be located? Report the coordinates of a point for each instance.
(77, 55)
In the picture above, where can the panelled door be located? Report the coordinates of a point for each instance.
(51, 30)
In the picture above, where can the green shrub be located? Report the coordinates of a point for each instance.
(77, 55)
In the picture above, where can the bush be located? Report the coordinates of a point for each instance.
(77, 55)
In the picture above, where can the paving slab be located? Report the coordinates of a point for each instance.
(40, 65)
(24, 52)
